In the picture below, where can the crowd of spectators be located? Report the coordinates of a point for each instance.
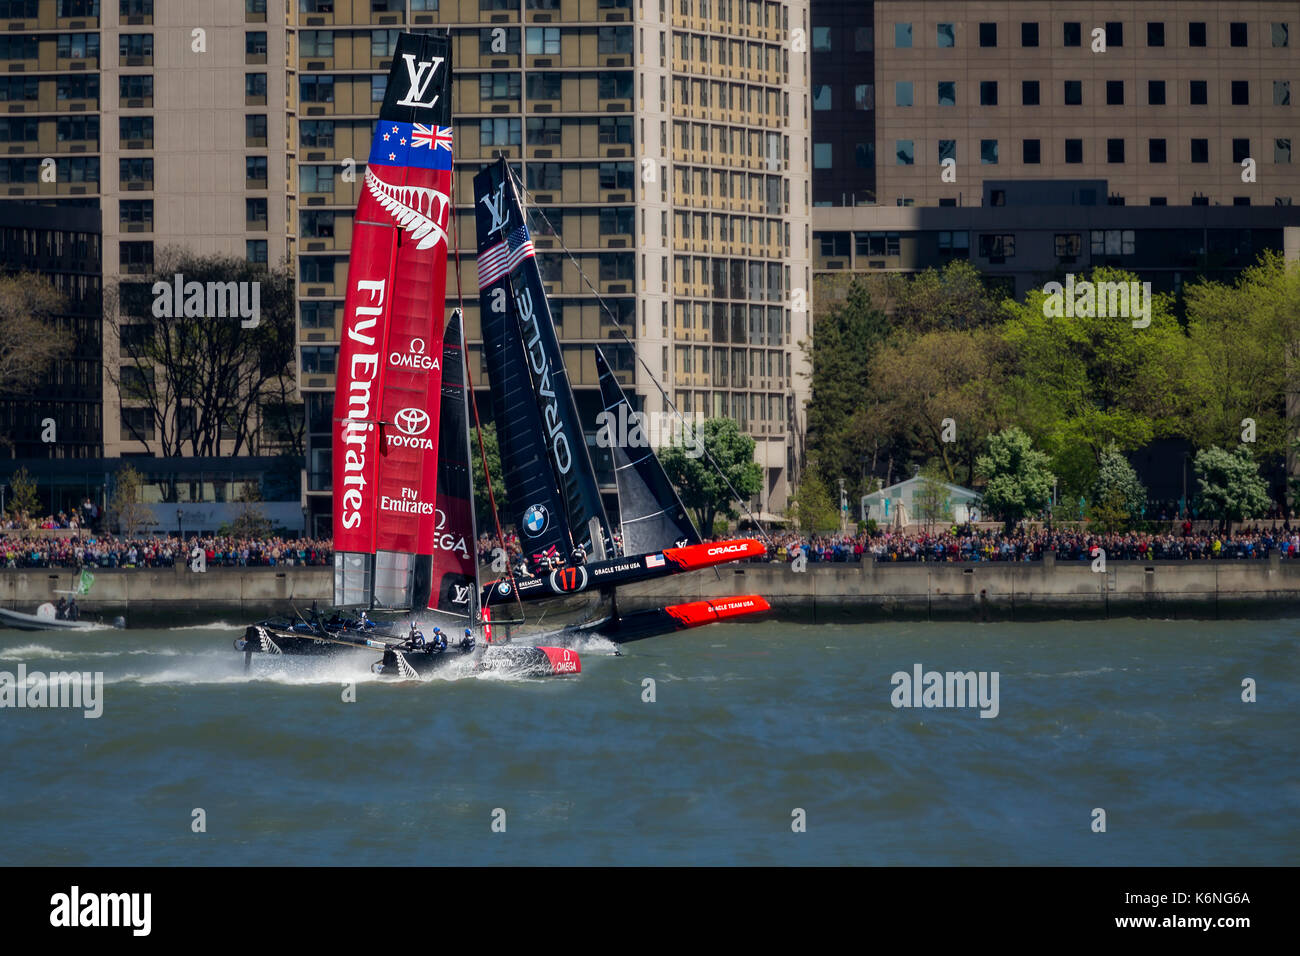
(26, 550)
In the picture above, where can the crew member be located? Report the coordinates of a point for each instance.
(61, 611)
(73, 611)
(467, 642)
(439, 639)
(416, 637)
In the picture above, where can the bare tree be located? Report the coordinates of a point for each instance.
(30, 338)
(204, 377)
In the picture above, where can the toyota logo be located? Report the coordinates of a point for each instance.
(412, 421)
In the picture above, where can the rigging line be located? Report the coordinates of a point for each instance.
(478, 426)
(636, 352)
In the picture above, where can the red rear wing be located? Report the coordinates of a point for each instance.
(720, 609)
(714, 552)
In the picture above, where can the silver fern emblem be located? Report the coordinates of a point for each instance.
(417, 209)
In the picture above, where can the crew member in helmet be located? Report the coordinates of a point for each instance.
(579, 555)
(439, 640)
(467, 642)
(416, 637)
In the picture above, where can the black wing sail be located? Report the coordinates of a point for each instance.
(550, 480)
(653, 516)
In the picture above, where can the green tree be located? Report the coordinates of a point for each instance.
(1229, 486)
(22, 494)
(1115, 476)
(698, 481)
(814, 511)
(1083, 382)
(1243, 340)
(126, 508)
(955, 297)
(1110, 512)
(482, 503)
(1018, 478)
(30, 335)
(932, 500)
(845, 339)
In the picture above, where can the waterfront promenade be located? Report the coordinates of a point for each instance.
(870, 590)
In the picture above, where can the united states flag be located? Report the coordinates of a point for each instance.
(504, 256)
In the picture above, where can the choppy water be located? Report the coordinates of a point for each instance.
(1141, 718)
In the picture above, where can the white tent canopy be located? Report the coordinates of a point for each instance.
(898, 505)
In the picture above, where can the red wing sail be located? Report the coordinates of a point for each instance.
(677, 617)
(389, 373)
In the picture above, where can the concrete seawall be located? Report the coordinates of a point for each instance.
(869, 591)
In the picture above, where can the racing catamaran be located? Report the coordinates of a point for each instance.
(404, 527)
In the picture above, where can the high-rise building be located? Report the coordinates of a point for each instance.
(664, 146)
(1035, 138)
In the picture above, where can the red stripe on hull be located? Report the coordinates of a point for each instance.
(563, 660)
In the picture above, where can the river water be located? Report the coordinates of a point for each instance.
(753, 731)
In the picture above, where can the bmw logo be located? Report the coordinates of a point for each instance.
(535, 520)
(503, 587)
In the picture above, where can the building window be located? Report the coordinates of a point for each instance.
(989, 152)
(988, 34)
(135, 172)
(1240, 92)
(1281, 35)
(945, 35)
(1240, 150)
(378, 88)
(314, 89)
(134, 87)
(864, 39)
(947, 90)
(1114, 151)
(1157, 151)
(1068, 244)
(498, 132)
(1196, 33)
(947, 150)
(1074, 150)
(543, 132)
(1155, 34)
(316, 179)
(1237, 34)
(902, 93)
(902, 35)
(1114, 33)
(904, 152)
(997, 246)
(1029, 92)
(1032, 151)
(136, 424)
(383, 43)
(1282, 150)
(821, 155)
(821, 96)
(1198, 93)
(255, 212)
(988, 93)
(255, 43)
(1112, 242)
(1029, 34)
(1155, 92)
(1281, 92)
(318, 315)
(864, 155)
(1200, 150)
(1073, 34)
(255, 129)
(1159, 201)
(543, 41)
(504, 86)
(135, 213)
(864, 96)
(1114, 92)
(821, 37)
(136, 256)
(319, 359)
(1073, 92)
(318, 134)
(255, 250)
(317, 43)
(486, 41)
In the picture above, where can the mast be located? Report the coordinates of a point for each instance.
(386, 402)
(551, 482)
